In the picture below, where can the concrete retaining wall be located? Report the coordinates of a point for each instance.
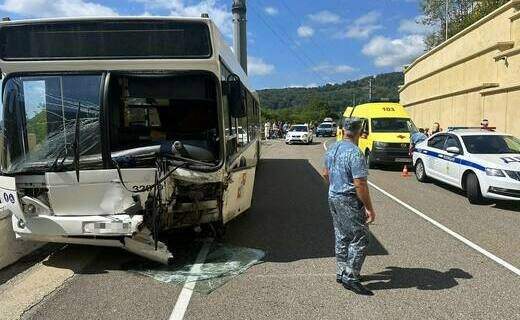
(472, 76)
(12, 249)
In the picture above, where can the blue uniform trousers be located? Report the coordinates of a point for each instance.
(351, 233)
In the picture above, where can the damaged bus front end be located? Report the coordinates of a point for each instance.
(120, 157)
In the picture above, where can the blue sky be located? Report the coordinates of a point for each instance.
(291, 42)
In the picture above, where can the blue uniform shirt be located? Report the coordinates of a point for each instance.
(417, 138)
(345, 162)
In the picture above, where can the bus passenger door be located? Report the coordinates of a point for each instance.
(239, 192)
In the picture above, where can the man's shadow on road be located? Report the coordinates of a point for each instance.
(420, 278)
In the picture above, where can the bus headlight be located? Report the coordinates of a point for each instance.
(33, 206)
(494, 172)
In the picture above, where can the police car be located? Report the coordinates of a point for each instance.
(483, 163)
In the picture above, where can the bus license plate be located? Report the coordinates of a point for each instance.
(402, 160)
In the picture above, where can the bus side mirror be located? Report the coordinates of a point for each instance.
(235, 93)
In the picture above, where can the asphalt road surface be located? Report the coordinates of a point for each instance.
(417, 269)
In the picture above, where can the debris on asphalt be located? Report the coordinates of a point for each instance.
(223, 263)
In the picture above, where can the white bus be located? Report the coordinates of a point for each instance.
(117, 130)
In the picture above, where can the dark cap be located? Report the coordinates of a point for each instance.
(352, 124)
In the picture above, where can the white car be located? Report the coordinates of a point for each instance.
(299, 133)
(483, 163)
(241, 134)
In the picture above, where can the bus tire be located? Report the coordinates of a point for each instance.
(473, 189)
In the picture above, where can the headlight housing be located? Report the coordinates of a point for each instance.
(379, 144)
(34, 206)
(495, 172)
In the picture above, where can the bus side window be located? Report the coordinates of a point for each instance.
(250, 118)
(229, 122)
(242, 128)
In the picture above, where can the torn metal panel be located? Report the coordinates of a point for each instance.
(100, 192)
(144, 245)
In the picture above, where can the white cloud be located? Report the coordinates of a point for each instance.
(325, 17)
(218, 12)
(394, 53)
(333, 69)
(56, 8)
(413, 26)
(363, 26)
(305, 32)
(272, 11)
(258, 67)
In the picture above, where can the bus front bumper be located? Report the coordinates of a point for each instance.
(107, 231)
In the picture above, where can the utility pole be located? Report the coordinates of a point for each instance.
(240, 32)
(370, 88)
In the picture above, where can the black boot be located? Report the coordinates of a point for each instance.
(357, 287)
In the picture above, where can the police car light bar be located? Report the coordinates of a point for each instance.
(472, 128)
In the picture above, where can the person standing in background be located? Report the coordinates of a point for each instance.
(267, 129)
(339, 133)
(416, 138)
(436, 128)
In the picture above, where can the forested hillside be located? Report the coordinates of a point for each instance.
(337, 96)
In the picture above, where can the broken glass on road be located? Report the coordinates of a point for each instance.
(223, 263)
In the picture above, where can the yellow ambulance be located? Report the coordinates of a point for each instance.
(386, 132)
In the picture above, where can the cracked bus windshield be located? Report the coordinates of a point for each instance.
(40, 120)
(147, 114)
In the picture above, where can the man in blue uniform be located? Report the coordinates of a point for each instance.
(416, 138)
(350, 205)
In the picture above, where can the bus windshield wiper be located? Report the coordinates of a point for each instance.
(75, 145)
(55, 166)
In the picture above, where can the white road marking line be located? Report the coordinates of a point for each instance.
(446, 229)
(451, 232)
(185, 296)
(325, 145)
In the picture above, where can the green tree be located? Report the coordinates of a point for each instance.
(337, 96)
(460, 15)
